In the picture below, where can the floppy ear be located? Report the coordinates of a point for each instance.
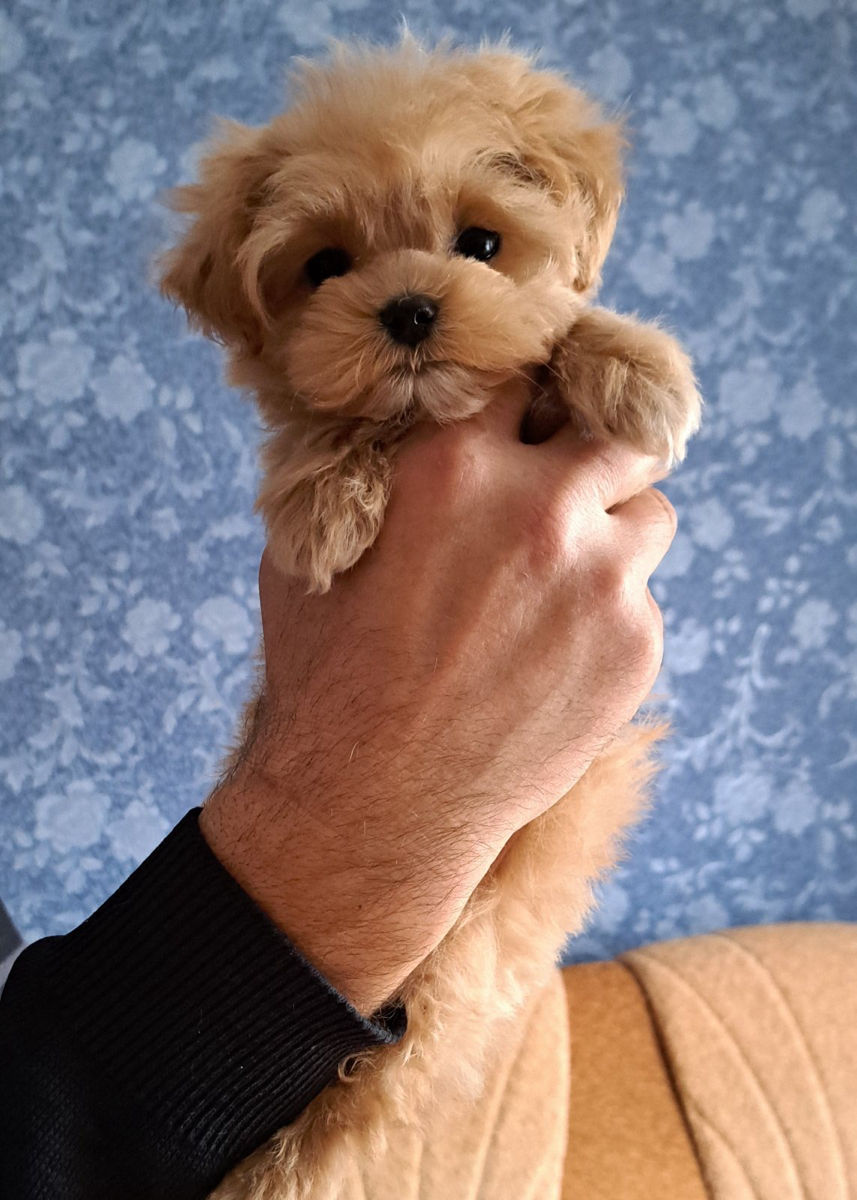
(203, 272)
(569, 148)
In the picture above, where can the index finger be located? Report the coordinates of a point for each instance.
(612, 472)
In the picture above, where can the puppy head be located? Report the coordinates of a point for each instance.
(417, 224)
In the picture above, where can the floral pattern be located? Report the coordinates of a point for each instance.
(128, 548)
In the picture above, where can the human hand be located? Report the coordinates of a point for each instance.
(446, 691)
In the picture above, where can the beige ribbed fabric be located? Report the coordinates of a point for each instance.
(760, 1029)
(508, 1146)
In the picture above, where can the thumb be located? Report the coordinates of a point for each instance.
(505, 412)
(503, 415)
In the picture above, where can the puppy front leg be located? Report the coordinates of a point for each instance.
(323, 499)
(626, 379)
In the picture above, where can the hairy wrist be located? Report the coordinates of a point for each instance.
(365, 921)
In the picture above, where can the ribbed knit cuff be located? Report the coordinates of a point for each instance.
(181, 988)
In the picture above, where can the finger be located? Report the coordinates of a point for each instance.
(502, 418)
(506, 412)
(658, 619)
(647, 524)
(613, 472)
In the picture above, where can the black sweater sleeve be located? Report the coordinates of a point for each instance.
(151, 1049)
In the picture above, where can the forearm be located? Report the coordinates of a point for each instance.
(151, 1049)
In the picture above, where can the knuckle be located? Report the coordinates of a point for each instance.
(634, 622)
(443, 464)
(609, 585)
(662, 506)
(460, 445)
(645, 639)
(548, 533)
(603, 464)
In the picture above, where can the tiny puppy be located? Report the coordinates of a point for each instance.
(418, 229)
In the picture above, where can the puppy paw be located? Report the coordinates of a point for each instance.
(323, 503)
(622, 378)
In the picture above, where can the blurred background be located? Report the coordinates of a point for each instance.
(128, 548)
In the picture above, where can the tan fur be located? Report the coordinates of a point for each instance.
(389, 153)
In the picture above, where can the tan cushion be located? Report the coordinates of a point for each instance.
(720, 1066)
(760, 1029)
(627, 1136)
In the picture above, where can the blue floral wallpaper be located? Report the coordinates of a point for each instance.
(128, 549)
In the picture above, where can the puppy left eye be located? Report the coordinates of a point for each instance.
(481, 244)
(327, 263)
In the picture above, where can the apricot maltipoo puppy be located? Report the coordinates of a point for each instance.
(417, 230)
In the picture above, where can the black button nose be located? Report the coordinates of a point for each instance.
(409, 319)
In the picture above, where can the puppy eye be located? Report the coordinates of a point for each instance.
(327, 263)
(478, 243)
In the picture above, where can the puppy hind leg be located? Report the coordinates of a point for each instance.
(624, 378)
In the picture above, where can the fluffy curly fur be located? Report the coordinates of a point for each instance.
(386, 156)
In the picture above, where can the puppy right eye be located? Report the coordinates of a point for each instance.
(327, 263)
(478, 243)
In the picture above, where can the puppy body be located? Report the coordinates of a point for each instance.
(419, 230)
